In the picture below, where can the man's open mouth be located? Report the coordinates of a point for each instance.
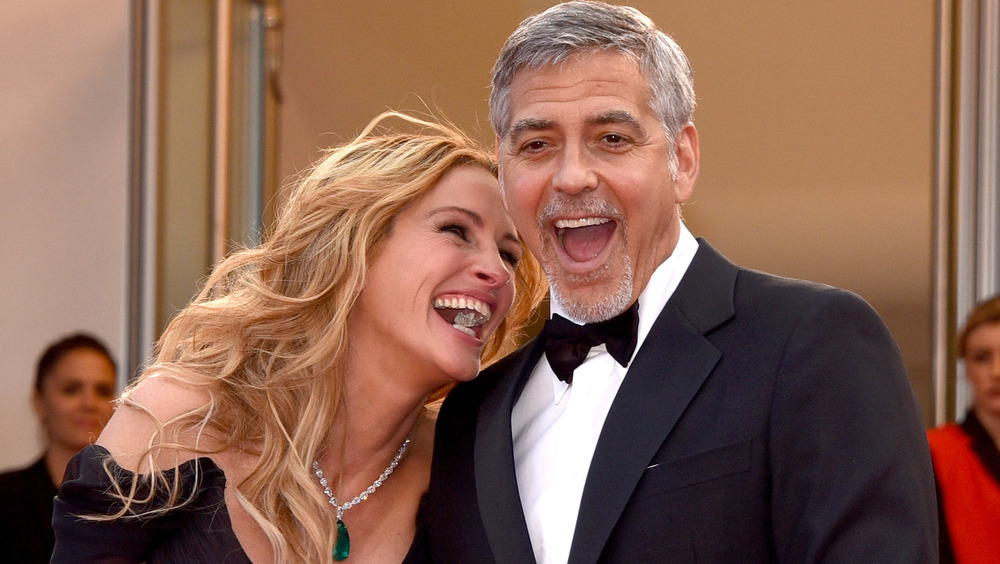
(584, 239)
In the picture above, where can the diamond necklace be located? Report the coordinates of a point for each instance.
(343, 545)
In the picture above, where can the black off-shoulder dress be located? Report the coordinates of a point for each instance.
(198, 531)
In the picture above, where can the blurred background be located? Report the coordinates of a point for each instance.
(852, 143)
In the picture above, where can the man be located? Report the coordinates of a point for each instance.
(752, 419)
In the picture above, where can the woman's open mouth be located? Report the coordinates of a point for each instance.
(464, 313)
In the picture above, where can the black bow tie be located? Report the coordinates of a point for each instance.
(567, 344)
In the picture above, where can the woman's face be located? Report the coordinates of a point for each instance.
(982, 367)
(76, 398)
(440, 284)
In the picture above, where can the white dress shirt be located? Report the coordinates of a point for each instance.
(555, 426)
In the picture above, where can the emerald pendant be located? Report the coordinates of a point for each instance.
(343, 545)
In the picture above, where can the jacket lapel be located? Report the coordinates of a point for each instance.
(669, 369)
(496, 480)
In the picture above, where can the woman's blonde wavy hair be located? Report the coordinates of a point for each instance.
(267, 334)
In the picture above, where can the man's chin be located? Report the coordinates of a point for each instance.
(595, 301)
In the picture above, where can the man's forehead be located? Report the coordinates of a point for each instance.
(600, 87)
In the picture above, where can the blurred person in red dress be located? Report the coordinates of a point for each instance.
(967, 455)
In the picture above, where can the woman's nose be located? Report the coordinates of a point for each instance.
(492, 269)
(92, 399)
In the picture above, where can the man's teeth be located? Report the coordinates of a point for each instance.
(582, 222)
(466, 303)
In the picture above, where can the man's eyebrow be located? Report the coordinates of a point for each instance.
(620, 117)
(529, 124)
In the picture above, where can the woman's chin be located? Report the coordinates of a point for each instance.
(467, 373)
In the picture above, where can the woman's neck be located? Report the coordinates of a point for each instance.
(990, 422)
(368, 438)
(56, 458)
(379, 412)
(383, 397)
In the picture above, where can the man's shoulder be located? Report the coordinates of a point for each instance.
(801, 303)
(778, 286)
(756, 291)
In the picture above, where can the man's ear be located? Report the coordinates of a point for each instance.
(688, 154)
(496, 151)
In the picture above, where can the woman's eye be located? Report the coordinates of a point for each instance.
(456, 229)
(510, 258)
(980, 357)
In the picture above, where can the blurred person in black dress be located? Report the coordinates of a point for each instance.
(73, 393)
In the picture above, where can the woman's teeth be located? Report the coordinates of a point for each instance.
(463, 328)
(465, 303)
(474, 312)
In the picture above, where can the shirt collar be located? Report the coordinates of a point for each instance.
(653, 298)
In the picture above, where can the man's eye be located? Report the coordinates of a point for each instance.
(534, 146)
(614, 139)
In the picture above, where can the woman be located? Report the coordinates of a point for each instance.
(73, 393)
(967, 456)
(385, 280)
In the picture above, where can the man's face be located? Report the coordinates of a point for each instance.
(586, 175)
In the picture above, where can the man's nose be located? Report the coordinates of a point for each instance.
(575, 172)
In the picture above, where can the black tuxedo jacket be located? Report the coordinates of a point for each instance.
(762, 420)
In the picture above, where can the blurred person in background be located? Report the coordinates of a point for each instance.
(73, 399)
(967, 455)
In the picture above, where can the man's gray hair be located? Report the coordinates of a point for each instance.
(552, 36)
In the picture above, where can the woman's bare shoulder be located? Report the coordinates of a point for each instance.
(148, 414)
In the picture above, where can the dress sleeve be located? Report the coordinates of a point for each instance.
(85, 492)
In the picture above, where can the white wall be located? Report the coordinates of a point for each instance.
(64, 82)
